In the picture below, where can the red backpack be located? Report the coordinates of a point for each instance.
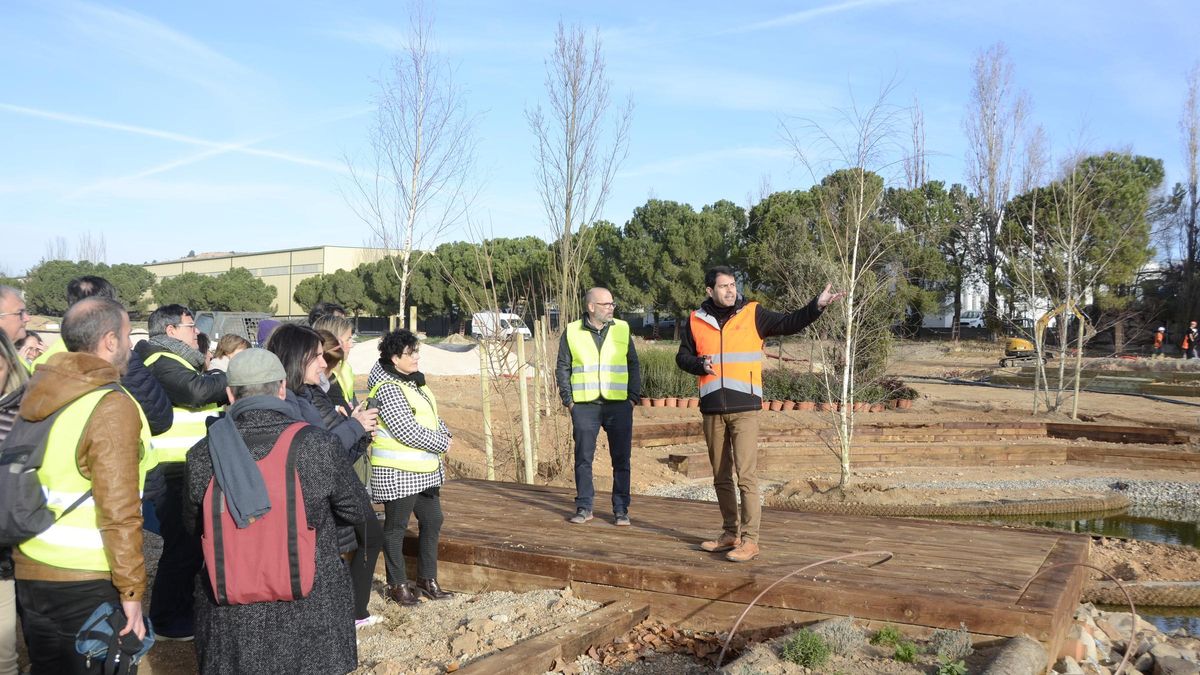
(275, 556)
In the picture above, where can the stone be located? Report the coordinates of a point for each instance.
(503, 642)
(1144, 663)
(1171, 665)
(500, 618)
(1165, 650)
(467, 643)
(1068, 666)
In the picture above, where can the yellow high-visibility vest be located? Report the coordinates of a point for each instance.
(74, 541)
(345, 377)
(599, 373)
(190, 424)
(387, 451)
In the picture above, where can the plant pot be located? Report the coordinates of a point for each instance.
(876, 407)
(788, 405)
(903, 403)
(766, 405)
(670, 402)
(859, 406)
(827, 407)
(645, 402)
(805, 405)
(656, 403)
(776, 406)
(693, 402)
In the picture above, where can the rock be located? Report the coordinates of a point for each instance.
(503, 642)
(1018, 656)
(1068, 666)
(1170, 665)
(388, 668)
(1144, 663)
(1094, 669)
(467, 643)
(1164, 649)
(500, 618)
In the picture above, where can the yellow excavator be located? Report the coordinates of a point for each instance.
(1020, 350)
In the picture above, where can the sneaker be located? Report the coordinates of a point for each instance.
(581, 516)
(181, 637)
(726, 542)
(745, 553)
(368, 622)
(621, 519)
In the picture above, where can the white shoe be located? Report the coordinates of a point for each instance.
(369, 621)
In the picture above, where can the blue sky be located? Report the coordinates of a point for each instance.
(169, 126)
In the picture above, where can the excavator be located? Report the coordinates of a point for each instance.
(1020, 350)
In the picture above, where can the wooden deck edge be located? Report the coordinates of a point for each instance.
(1070, 577)
(567, 642)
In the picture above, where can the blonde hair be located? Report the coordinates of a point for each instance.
(334, 324)
(230, 343)
(17, 375)
(331, 349)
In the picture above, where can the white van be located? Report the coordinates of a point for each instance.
(972, 318)
(497, 325)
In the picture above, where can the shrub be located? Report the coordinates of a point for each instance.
(888, 636)
(806, 648)
(661, 377)
(951, 645)
(906, 652)
(948, 667)
(842, 635)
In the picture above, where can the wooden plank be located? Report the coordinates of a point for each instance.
(537, 654)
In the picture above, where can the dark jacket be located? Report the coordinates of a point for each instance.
(354, 439)
(768, 324)
(149, 394)
(9, 405)
(185, 387)
(562, 368)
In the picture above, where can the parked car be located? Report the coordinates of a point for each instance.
(496, 324)
(972, 318)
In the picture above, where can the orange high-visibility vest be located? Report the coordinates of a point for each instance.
(735, 350)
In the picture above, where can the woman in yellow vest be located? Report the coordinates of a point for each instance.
(406, 464)
(340, 376)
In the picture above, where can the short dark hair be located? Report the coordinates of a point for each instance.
(324, 309)
(29, 335)
(260, 389)
(295, 346)
(167, 315)
(710, 277)
(89, 286)
(203, 342)
(88, 321)
(394, 344)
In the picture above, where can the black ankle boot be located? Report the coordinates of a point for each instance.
(403, 594)
(430, 589)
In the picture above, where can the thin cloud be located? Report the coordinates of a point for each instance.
(154, 45)
(807, 15)
(241, 148)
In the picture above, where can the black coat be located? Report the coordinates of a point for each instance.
(185, 387)
(149, 394)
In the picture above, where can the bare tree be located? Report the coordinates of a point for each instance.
(92, 248)
(916, 165)
(577, 152)
(994, 121)
(1189, 127)
(413, 186)
(57, 249)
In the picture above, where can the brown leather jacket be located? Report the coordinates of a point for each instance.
(108, 456)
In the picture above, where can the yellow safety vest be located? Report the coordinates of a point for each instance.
(56, 348)
(189, 426)
(74, 541)
(603, 372)
(345, 377)
(387, 451)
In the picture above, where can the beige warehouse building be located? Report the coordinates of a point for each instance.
(282, 269)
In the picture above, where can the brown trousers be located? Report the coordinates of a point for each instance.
(733, 448)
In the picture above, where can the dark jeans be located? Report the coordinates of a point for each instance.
(427, 506)
(171, 599)
(362, 565)
(52, 612)
(616, 418)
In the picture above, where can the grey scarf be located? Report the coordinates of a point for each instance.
(179, 348)
(233, 469)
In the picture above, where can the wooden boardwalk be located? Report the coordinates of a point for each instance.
(508, 536)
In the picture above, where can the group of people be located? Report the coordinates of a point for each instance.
(599, 381)
(142, 435)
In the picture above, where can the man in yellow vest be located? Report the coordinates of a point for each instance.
(722, 346)
(599, 380)
(93, 554)
(173, 359)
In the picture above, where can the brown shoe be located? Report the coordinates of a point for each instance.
(430, 589)
(723, 543)
(745, 552)
(401, 593)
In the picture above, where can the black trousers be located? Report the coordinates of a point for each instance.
(52, 612)
(171, 599)
(362, 565)
(616, 418)
(427, 506)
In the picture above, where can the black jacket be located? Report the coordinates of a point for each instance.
(768, 323)
(185, 387)
(354, 439)
(149, 394)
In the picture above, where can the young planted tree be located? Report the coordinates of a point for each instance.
(1189, 127)
(994, 121)
(413, 185)
(577, 153)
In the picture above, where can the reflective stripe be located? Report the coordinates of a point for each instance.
(614, 369)
(404, 455)
(61, 500)
(191, 416)
(737, 357)
(588, 368)
(66, 536)
(595, 386)
(734, 385)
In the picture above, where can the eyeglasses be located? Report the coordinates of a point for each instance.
(412, 352)
(186, 325)
(22, 312)
(605, 304)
